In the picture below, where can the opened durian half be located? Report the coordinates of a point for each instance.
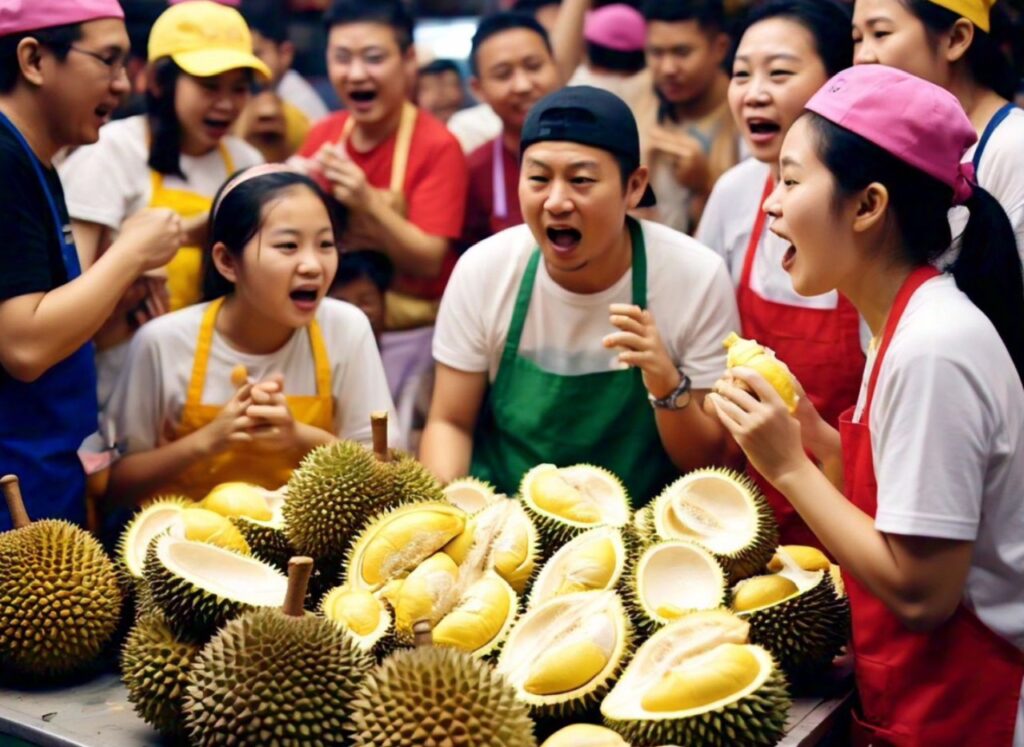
(697, 682)
(723, 511)
(363, 615)
(592, 561)
(151, 520)
(798, 615)
(258, 514)
(199, 587)
(562, 656)
(470, 494)
(673, 578)
(502, 538)
(564, 502)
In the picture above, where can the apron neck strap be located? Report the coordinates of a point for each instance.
(403, 144)
(990, 128)
(755, 234)
(321, 362)
(201, 359)
(499, 206)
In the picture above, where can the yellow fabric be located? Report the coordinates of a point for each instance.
(241, 462)
(184, 272)
(296, 126)
(977, 12)
(205, 39)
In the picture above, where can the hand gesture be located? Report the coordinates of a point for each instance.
(152, 235)
(689, 162)
(642, 347)
(230, 425)
(269, 421)
(348, 181)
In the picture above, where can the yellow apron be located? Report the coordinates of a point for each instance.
(184, 272)
(241, 462)
(403, 311)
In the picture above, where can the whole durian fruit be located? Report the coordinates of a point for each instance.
(60, 600)
(438, 697)
(275, 677)
(154, 667)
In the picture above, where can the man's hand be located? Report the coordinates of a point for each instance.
(690, 163)
(152, 236)
(643, 348)
(348, 181)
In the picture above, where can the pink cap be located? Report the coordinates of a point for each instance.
(916, 121)
(618, 26)
(19, 16)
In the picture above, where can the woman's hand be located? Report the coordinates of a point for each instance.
(230, 425)
(271, 425)
(642, 348)
(819, 438)
(765, 430)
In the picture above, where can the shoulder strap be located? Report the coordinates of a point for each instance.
(990, 128)
(201, 358)
(639, 264)
(522, 305)
(321, 361)
(403, 143)
(755, 233)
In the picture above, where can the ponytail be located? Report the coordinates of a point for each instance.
(988, 271)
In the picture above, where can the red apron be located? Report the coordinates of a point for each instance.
(823, 350)
(956, 685)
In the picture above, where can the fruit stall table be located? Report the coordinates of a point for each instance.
(97, 713)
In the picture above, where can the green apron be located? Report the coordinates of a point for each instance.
(533, 417)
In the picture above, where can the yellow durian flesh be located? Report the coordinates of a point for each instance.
(458, 549)
(565, 668)
(750, 354)
(585, 735)
(551, 492)
(201, 525)
(808, 558)
(423, 590)
(235, 499)
(480, 616)
(761, 591)
(397, 544)
(354, 609)
(703, 680)
(512, 558)
(590, 568)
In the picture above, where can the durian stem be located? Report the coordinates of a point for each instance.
(300, 568)
(379, 426)
(15, 503)
(422, 636)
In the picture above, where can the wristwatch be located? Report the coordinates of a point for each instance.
(677, 399)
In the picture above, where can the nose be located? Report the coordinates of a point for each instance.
(521, 82)
(773, 205)
(757, 92)
(356, 69)
(558, 200)
(864, 54)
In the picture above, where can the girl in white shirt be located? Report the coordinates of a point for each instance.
(243, 386)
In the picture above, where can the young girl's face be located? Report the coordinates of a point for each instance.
(776, 70)
(821, 253)
(287, 267)
(887, 33)
(208, 107)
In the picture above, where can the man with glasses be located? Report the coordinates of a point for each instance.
(62, 71)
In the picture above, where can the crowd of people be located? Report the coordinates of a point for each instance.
(207, 273)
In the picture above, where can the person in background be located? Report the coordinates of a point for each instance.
(786, 52)
(399, 173)
(512, 70)
(264, 125)
(187, 418)
(439, 89)
(545, 11)
(615, 37)
(584, 335)
(62, 72)
(948, 42)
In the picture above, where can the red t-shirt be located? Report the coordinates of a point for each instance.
(435, 182)
(481, 220)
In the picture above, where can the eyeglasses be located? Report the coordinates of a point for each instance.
(116, 64)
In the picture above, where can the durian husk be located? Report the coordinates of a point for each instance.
(266, 540)
(470, 494)
(411, 482)
(60, 599)
(438, 697)
(267, 678)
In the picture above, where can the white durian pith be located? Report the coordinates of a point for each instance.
(470, 494)
(592, 561)
(674, 577)
(155, 518)
(563, 655)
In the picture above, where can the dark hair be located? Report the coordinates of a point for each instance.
(387, 12)
(827, 21)
(615, 59)
(57, 39)
(989, 67)
(164, 128)
(365, 263)
(709, 14)
(498, 23)
(987, 269)
(437, 67)
(239, 217)
(532, 6)
(269, 19)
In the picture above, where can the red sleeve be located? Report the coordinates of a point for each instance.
(326, 130)
(437, 200)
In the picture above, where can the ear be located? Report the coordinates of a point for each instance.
(225, 262)
(635, 187)
(287, 51)
(30, 58)
(475, 88)
(720, 47)
(960, 38)
(872, 207)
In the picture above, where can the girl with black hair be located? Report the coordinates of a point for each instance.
(188, 416)
(956, 44)
(786, 51)
(920, 497)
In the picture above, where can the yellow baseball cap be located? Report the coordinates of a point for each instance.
(977, 12)
(204, 39)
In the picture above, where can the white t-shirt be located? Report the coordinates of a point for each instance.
(474, 126)
(1001, 171)
(153, 385)
(298, 92)
(688, 292)
(947, 437)
(109, 181)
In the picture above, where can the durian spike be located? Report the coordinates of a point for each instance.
(300, 568)
(379, 425)
(15, 503)
(422, 635)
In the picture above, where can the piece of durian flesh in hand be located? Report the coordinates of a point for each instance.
(751, 354)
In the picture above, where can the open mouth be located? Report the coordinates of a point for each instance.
(789, 257)
(763, 127)
(363, 97)
(564, 239)
(304, 295)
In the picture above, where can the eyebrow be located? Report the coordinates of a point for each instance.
(877, 19)
(574, 165)
(789, 161)
(773, 57)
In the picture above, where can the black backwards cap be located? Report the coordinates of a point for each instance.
(588, 116)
